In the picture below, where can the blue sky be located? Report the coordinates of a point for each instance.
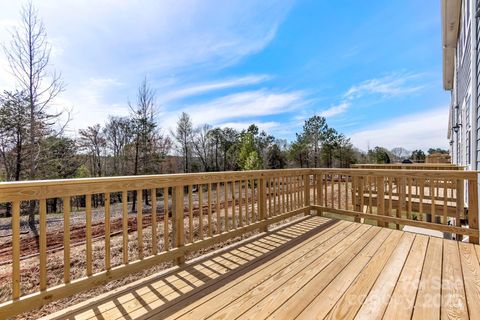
(374, 70)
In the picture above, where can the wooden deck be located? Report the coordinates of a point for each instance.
(313, 268)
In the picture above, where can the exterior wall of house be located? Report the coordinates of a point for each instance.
(464, 148)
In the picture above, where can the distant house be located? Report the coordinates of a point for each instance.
(460, 41)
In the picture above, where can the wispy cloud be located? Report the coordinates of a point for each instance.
(391, 85)
(244, 105)
(267, 126)
(419, 130)
(201, 88)
(335, 110)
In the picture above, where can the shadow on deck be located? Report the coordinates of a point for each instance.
(313, 268)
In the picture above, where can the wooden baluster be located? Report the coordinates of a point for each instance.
(275, 199)
(234, 206)
(200, 210)
(306, 191)
(177, 212)
(88, 233)
(320, 200)
(339, 191)
(262, 202)
(284, 195)
(380, 200)
(355, 198)
(247, 211)
(209, 186)
(254, 202)
(166, 238)
(240, 203)
(473, 208)
(361, 192)
(140, 223)
(295, 192)
(107, 231)
(66, 239)
(269, 197)
(153, 195)
(421, 196)
(370, 195)
(409, 207)
(390, 196)
(326, 190)
(225, 195)
(432, 199)
(43, 244)
(124, 225)
(190, 213)
(332, 190)
(219, 222)
(16, 250)
(347, 207)
(445, 201)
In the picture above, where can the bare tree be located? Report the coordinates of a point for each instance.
(29, 55)
(202, 146)
(92, 140)
(183, 136)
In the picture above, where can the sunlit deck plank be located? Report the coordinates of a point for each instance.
(314, 268)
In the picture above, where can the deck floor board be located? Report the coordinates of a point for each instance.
(316, 268)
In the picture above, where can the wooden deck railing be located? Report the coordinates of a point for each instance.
(182, 213)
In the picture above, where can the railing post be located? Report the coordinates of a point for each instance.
(473, 208)
(262, 202)
(460, 206)
(179, 233)
(381, 199)
(306, 182)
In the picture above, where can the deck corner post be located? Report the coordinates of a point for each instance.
(473, 208)
(262, 203)
(306, 183)
(179, 232)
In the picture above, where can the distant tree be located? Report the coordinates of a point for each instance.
(202, 146)
(400, 153)
(331, 140)
(418, 156)
(437, 150)
(345, 153)
(248, 157)
(59, 160)
(183, 135)
(299, 151)
(276, 158)
(314, 131)
(14, 133)
(379, 155)
(119, 134)
(92, 140)
(151, 146)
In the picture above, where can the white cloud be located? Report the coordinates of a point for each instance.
(335, 110)
(420, 130)
(267, 126)
(202, 88)
(239, 106)
(391, 85)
